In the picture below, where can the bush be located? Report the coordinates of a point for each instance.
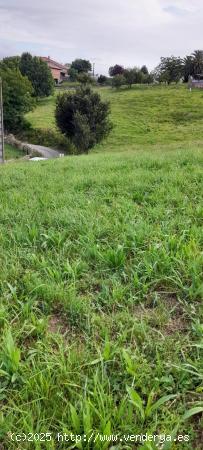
(84, 78)
(82, 132)
(48, 138)
(83, 117)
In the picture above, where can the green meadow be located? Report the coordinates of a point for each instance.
(101, 283)
(142, 116)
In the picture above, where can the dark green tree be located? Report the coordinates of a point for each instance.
(73, 74)
(144, 70)
(17, 97)
(83, 117)
(82, 137)
(188, 67)
(170, 69)
(102, 79)
(38, 73)
(81, 65)
(197, 56)
(116, 70)
(11, 62)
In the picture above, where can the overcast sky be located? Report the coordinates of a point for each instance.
(128, 32)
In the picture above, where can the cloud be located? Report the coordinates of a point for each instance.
(174, 10)
(107, 31)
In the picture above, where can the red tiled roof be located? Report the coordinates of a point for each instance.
(53, 63)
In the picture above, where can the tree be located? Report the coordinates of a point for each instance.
(170, 69)
(83, 117)
(81, 65)
(84, 78)
(73, 74)
(12, 62)
(116, 70)
(138, 76)
(118, 81)
(17, 96)
(38, 73)
(188, 67)
(193, 65)
(129, 75)
(197, 56)
(102, 79)
(144, 70)
(149, 79)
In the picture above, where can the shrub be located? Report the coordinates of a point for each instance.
(84, 78)
(83, 117)
(82, 136)
(48, 138)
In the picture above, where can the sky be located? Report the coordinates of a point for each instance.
(107, 32)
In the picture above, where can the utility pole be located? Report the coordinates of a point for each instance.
(1, 125)
(93, 65)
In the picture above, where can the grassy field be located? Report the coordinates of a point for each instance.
(101, 288)
(146, 116)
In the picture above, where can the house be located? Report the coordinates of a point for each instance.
(196, 82)
(59, 71)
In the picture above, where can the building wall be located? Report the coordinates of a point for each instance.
(56, 74)
(197, 84)
(194, 83)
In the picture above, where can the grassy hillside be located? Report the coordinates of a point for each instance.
(143, 116)
(101, 284)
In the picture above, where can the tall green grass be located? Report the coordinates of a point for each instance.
(101, 287)
(12, 152)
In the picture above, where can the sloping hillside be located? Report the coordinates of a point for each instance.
(142, 116)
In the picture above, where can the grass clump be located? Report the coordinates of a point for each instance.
(48, 138)
(13, 152)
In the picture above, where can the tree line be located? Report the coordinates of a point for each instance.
(170, 69)
(173, 69)
(81, 116)
(25, 78)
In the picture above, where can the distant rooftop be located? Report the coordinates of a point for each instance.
(52, 63)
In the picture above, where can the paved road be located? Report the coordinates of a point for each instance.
(46, 152)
